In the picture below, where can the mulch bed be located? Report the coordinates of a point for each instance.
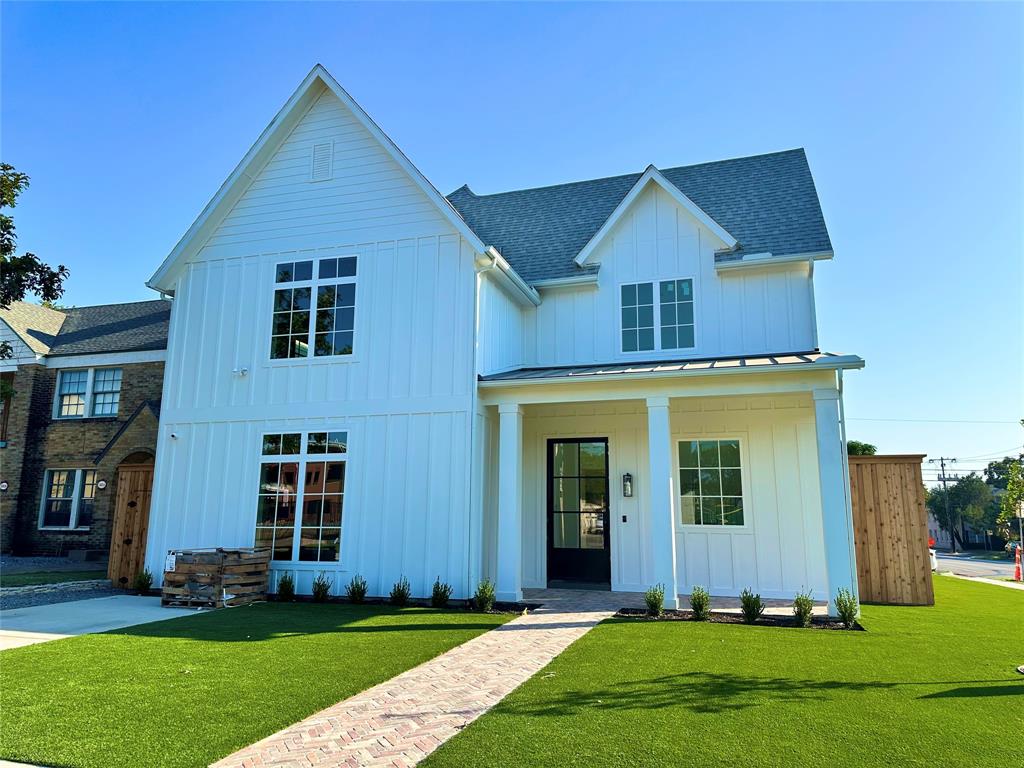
(818, 622)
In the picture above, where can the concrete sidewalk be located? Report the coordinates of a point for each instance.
(26, 626)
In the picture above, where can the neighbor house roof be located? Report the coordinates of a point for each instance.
(767, 202)
(132, 327)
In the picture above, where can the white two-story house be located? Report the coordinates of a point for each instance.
(614, 382)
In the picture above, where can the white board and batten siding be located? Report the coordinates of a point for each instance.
(743, 312)
(405, 396)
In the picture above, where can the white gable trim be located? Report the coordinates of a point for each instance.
(653, 175)
(260, 153)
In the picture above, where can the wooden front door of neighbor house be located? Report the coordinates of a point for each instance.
(578, 525)
(131, 523)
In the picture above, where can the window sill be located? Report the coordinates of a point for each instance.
(84, 418)
(694, 528)
(60, 529)
(297, 361)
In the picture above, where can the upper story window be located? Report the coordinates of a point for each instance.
(88, 392)
(314, 308)
(672, 316)
(68, 498)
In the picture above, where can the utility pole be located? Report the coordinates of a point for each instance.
(945, 495)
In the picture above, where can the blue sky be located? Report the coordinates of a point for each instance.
(129, 116)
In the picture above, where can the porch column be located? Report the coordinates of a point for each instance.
(837, 523)
(663, 529)
(510, 502)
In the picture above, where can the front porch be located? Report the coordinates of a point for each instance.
(725, 483)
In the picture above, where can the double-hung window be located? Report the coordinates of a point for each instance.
(314, 308)
(710, 482)
(657, 315)
(68, 497)
(301, 495)
(85, 392)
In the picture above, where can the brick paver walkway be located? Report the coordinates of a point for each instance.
(401, 721)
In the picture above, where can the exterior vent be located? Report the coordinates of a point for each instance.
(321, 168)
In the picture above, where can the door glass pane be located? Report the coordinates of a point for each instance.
(591, 530)
(709, 453)
(592, 494)
(732, 510)
(689, 481)
(710, 482)
(711, 511)
(566, 495)
(592, 461)
(566, 460)
(688, 504)
(566, 531)
(731, 485)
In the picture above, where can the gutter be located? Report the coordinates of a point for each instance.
(767, 259)
(495, 262)
(567, 282)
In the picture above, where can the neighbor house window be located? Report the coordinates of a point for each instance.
(314, 308)
(671, 315)
(88, 392)
(68, 497)
(302, 472)
(710, 482)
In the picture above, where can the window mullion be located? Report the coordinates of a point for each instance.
(90, 382)
(657, 314)
(75, 493)
(300, 500)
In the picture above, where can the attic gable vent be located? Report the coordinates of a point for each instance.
(321, 166)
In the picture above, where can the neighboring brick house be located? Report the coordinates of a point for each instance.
(81, 401)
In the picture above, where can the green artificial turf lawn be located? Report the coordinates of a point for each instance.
(48, 577)
(932, 686)
(188, 691)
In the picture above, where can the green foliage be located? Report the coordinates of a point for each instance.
(803, 608)
(847, 607)
(997, 473)
(1011, 505)
(356, 589)
(485, 596)
(700, 604)
(857, 448)
(655, 599)
(400, 592)
(286, 588)
(441, 593)
(322, 588)
(751, 606)
(968, 500)
(143, 581)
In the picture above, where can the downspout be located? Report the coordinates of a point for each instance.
(854, 586)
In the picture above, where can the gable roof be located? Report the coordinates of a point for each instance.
(261, 152)
(133, 327)
(767, 202)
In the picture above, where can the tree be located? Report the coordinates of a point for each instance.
(25, 274)
(857, 448)
(1011, 505)
(997, 473)
(969, 500)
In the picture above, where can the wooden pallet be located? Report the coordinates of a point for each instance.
(202, 577)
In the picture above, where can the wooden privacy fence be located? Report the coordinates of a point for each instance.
(890, 530)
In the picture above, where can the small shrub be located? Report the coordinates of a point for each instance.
(286, 588)
(655, 599)
(143, 581)
(803, 608)
(441, 593)
(485, 596)
(700, 604)
(847, 607)
(356, 589)
(751, 605)
(321, 588)
(400, 592)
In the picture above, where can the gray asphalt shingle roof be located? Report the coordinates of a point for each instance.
(767, 202)
(133, 327)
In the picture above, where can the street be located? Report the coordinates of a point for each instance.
(965, 566)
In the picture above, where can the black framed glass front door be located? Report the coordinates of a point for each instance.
(578, 513)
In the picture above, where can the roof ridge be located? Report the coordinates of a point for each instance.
(117, 304)
(625, 175)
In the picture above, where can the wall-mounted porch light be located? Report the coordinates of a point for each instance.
(627, 485)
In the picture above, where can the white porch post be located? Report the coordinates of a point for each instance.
(837, 523)
(510, 513)
(659, 450)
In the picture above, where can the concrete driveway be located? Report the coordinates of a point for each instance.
(966, 566)
(26, 626)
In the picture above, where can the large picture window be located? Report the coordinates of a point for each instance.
(314, 308)
(302, 472)
(85, 392)
(710, 482)
(68, 498)
(668, 323)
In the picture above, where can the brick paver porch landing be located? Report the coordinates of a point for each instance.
(402, 720)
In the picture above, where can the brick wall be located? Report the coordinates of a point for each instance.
(75, 444)
(26, 379)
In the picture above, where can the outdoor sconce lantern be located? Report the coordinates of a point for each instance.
(101, 484)
(627, 485)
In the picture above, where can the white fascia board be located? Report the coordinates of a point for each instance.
(495, 263)
(756, 260)
(102, 360)
(259, 154)
(566, 282)
(652, 174)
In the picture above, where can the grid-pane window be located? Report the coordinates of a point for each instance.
(319, 315)
(638, 317)
(710, 482)
(86, 498)
(291, 323)
(106, 391)
(676, 314)
(310, 479)
(71, 393)
(68, 498)
(335, 319)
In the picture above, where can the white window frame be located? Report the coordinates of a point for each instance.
(313, 283)
(301, 459)
(89, 392)
(76, 497)
(677, 513)
(656, 288)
